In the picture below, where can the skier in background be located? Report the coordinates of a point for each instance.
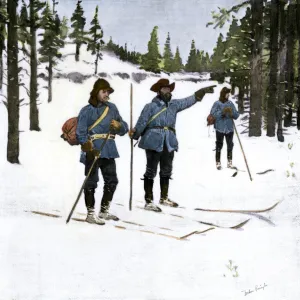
(156, 125)
(223, 111)
(91, 141)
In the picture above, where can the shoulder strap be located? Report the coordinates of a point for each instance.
(99, 120)
(156, 115)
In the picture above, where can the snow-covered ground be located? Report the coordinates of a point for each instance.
(43, 258)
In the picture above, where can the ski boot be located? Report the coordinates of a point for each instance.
(92, 218)
(148, 187)
(164, 189)
(108, 192)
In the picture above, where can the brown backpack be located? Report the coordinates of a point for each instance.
(210, 120)
(70, 126)
(69, 131)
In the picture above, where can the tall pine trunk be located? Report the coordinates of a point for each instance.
(272, 99)
(298, 81)
(50, 77)
(2, 46)
(289, 96)
(256, 89)
(34, 113)
(96, 62)
(241, 95)
(282, 68)
(77, 52)
(12, 85)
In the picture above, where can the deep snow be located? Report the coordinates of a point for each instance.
(43, 258)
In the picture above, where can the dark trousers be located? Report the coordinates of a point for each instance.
(109, 174)
(164, 158)
(219, 144)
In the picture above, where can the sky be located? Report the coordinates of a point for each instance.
(132, 21)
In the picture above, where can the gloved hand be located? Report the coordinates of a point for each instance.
(115, 125)
(227, 110)
(95, 153)
(87, 146)
(131, 132)
(201, 92)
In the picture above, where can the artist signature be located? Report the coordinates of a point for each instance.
(256, 289)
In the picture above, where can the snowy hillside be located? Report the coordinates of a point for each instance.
(43, 258)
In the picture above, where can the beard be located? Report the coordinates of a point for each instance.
(165, 97)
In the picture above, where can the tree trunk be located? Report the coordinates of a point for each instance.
(241, 97)
(289, 96)
(298, 90)
(34, 113)
(12, 85)
(282, 68)
(272, 99)
(50, 77)
(2, 46)
(1, 67)
(77, 52)
(256, 90)
(96, 62)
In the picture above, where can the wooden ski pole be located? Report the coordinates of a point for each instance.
(86, 178)
(131, 149)
(242, 149)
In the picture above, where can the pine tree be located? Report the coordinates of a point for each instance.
(110, 46)
(168, 55)
(64, 28)
(151, 60)
(96, 42)
(218, 67)
(122, 53)
(51, 43)
(177, 63)
(78, 22)
(200, 60)
(191, 65)
(206, 63)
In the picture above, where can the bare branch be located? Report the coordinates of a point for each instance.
(5, 103)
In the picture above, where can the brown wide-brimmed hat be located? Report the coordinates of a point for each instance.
(162, 83)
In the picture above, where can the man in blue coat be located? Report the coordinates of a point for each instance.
(223, 111)
(91, 141)
(156, 126)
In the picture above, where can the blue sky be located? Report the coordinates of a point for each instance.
(132, 21)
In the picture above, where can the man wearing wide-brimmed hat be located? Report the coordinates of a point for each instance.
(223, 111)
(156, 126)
(91, 140)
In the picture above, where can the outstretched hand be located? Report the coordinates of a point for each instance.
(209, 89)
(201, 92)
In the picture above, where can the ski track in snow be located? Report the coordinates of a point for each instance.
(43, 258)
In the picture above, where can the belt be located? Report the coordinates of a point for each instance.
(163, 127)
(98, 136)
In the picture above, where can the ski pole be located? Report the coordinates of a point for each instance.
(131, 149)
(86, 178)
(242, 149)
